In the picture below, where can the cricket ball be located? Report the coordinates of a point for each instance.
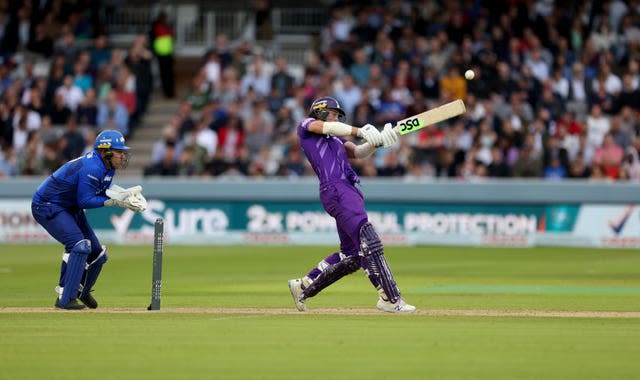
(469, 74)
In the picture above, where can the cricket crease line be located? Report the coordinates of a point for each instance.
(337, 311)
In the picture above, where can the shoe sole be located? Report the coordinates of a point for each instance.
(299, 305)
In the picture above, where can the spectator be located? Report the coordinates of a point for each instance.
(454, 84)
(554, 170)
(631, 165)
(72, 142)
(8, 162)
(167, 166)
(281, 81)
(41, 42)
(112, 114)
(87, 112)
(391, 166)
(256, 78)
(81, 76)
(498, 167)
(59, 111)
(169, 139)
(71, 93)
(139, 62)
(597, 126)
(348, 94)
(609, 156)
(99, 53)
(161, 37)
(527, 165)
(29, 159)
(204, 137)
(191, 162)
(231, 138)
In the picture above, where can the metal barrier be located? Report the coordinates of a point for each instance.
(195, 28)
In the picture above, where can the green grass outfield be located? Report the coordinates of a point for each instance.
(530, 313)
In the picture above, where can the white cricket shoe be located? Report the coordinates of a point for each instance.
(398, 307)
(296, 288)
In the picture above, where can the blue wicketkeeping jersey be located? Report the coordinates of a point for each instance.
(80, 183)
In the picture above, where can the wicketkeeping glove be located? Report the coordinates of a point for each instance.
(130, 198)
(119, 203)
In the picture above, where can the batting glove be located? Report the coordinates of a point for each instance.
(371, 134)
(389, 136)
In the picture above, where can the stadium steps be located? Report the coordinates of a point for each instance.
(158, 115)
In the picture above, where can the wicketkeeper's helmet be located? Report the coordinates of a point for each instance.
(110, 139)
(321, 106)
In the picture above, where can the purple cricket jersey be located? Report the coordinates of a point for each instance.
(338, 193)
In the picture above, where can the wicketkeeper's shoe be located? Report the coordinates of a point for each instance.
(71, 305)
(88, 300)
(398, 307)
(296, 287)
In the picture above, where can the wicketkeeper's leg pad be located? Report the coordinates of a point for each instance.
(92, 271)
(75, 269)
(331, 274)
(377, 265)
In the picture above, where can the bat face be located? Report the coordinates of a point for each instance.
(432, 116)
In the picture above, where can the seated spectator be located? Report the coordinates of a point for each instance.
(578, 169)
(81, 77)
(231, 138)
(454, 83)
(41, 42)
(71, 93)
(169, 139)
(28, 159)
(527, 165)
(218, 164)
(8, 162)
(35, 99)
(87, 112)
(191, 161)
(112, 114)
(498, 166)
(554, 170)
(609, 157)
(167, 166)
(391, 166)
(126, 90)
(199, 93)
(72, 142)
(631, 165)
(59, 112)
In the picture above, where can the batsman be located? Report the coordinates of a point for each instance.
(58, 205)
(322, 138)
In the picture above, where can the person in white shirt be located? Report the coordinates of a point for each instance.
(71, 93)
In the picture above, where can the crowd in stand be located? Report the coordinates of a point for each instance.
(61, 83)
(556, 92)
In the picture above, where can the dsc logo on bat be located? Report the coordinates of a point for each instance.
(408, 124)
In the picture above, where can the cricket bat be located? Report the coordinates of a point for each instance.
(432, 116)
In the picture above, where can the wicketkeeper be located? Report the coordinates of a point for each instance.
(58, 205)
(360, 247)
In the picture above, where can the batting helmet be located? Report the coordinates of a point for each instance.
(110, 139)
(321, 106)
